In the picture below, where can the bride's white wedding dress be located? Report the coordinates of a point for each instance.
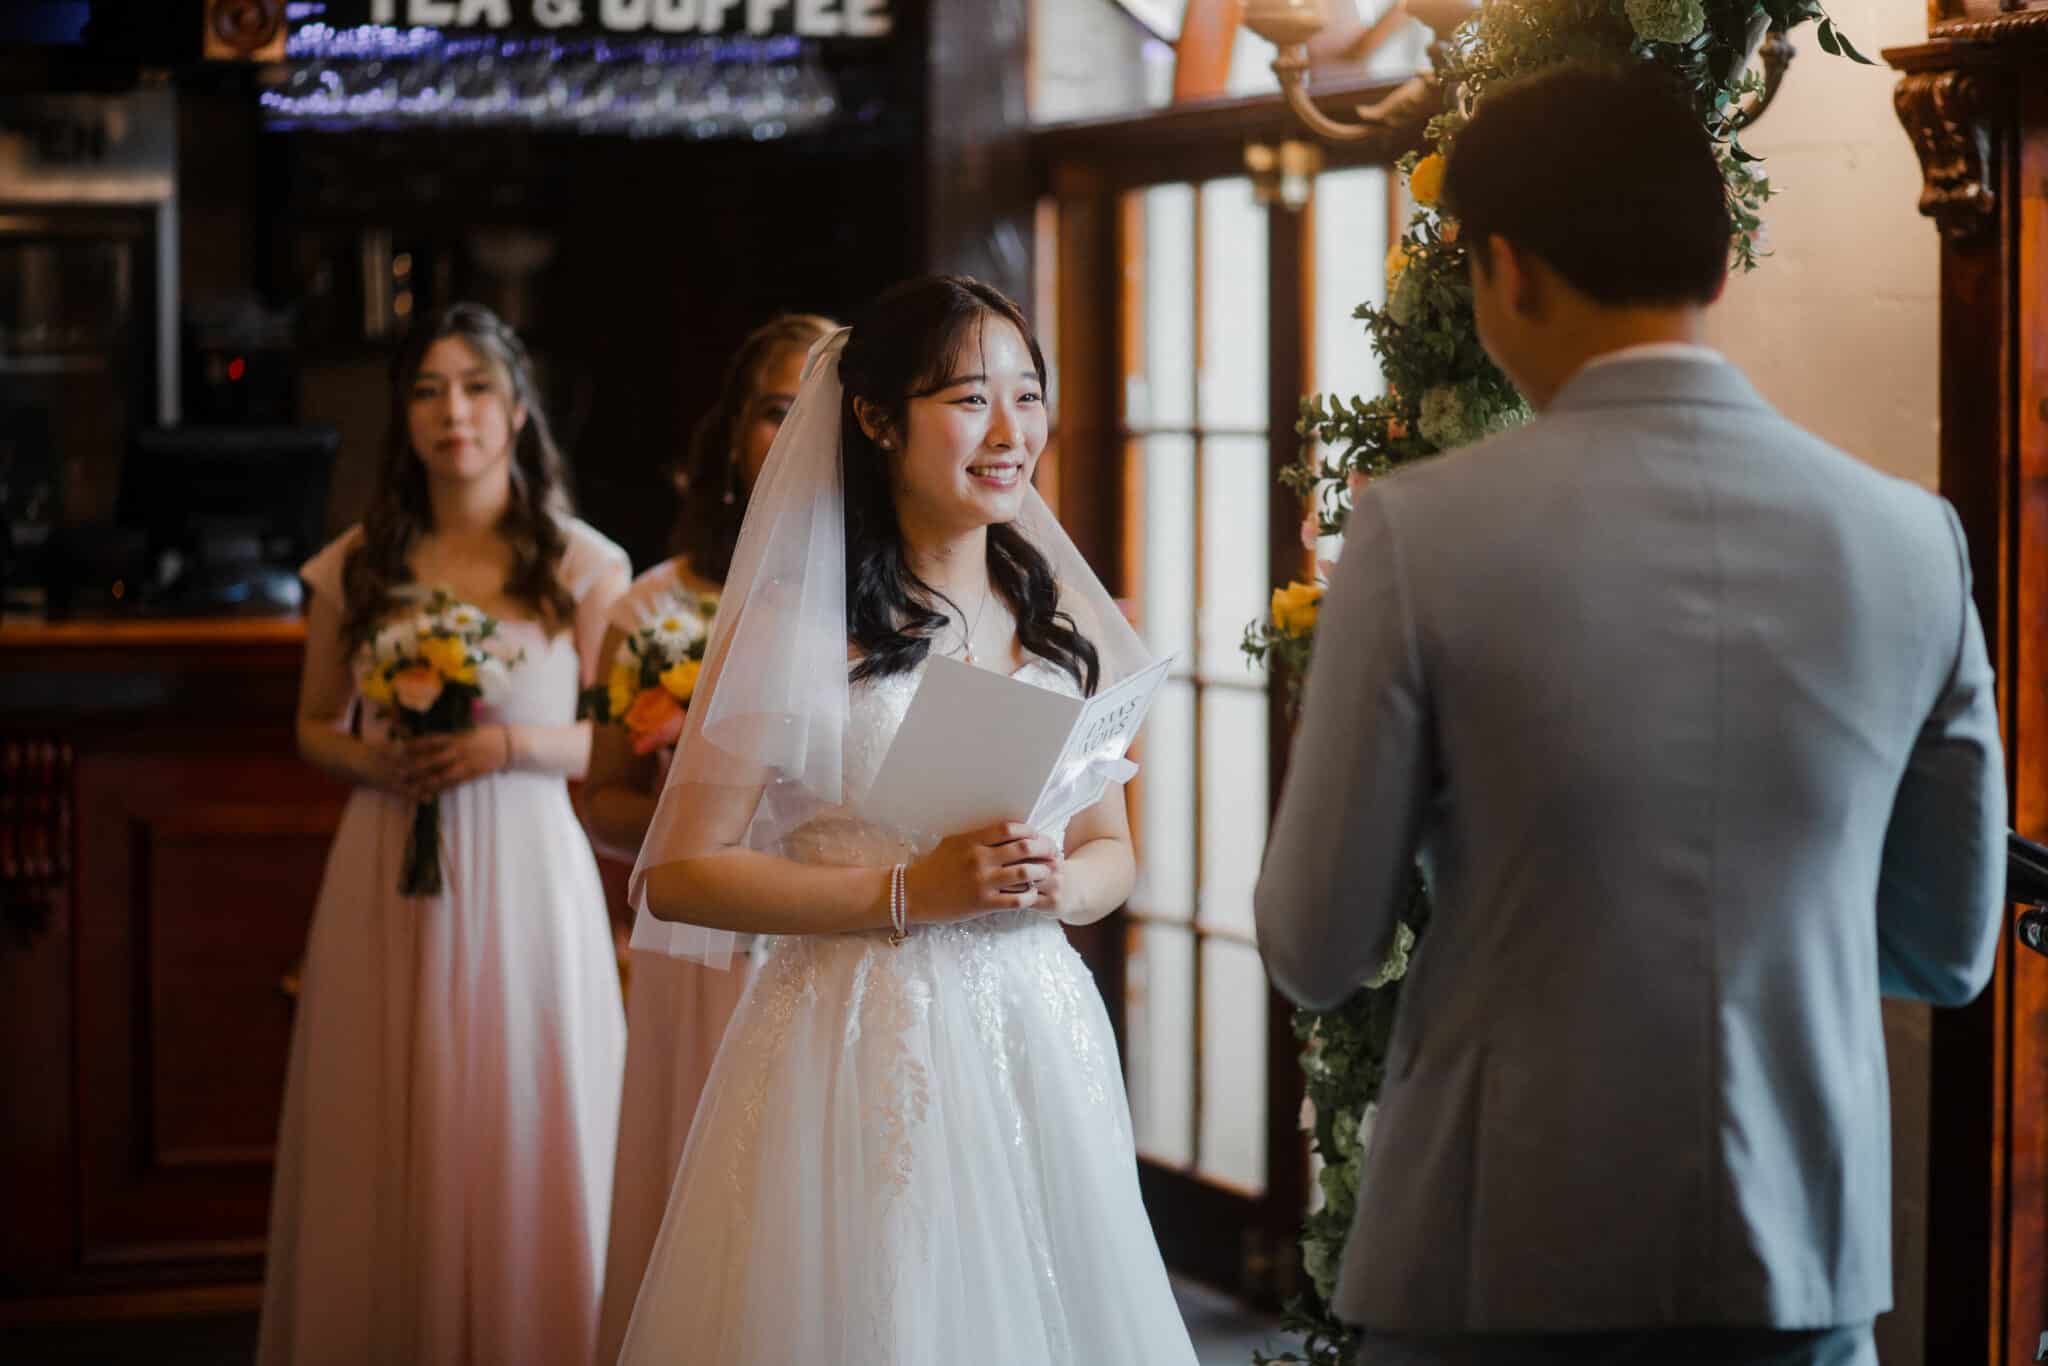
(910, 1155)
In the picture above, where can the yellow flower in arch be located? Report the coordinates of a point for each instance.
(1295, 608)
(1398, 257)
(1426, 181)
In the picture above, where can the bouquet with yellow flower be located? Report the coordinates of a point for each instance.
(654, 674)
(429, 675)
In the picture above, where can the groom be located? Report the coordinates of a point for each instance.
(1689, 718)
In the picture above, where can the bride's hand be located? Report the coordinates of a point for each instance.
(1046, 891)
(1002, 868)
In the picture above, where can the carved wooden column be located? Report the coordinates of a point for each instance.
(1974, 99)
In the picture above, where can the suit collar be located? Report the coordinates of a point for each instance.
(1658, 378)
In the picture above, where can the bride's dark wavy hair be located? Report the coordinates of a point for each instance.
(906, 345)
(400, 511)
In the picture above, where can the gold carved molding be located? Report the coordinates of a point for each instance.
(1999, 28)
(1951, 117)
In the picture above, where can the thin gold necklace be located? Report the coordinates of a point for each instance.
(967, 638)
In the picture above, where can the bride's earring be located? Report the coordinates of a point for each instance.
(732, 477)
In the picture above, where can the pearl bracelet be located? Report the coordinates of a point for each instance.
(899, 907)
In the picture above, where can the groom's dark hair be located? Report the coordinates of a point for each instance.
(1607, 175)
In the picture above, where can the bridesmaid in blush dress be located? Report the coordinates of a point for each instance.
(676, 1010)
(443, 1170)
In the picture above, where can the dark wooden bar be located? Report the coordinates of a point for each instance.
(161, 845)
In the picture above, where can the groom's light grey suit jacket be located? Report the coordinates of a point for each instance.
(1689, 716)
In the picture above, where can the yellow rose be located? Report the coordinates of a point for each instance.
(1426, 181)
(681, 681)
(1295, 607)
(450, 658)
(621, 688)
(377, 688)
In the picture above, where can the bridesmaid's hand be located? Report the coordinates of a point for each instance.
(436, 763)
(1000, 868)
(390, 769)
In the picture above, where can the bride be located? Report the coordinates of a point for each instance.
(914, 1146)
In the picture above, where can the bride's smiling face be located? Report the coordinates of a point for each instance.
(972, 439)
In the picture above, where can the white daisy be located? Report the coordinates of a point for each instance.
(399, 640)
(673, 627)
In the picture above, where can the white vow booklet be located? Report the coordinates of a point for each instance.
(976, 748)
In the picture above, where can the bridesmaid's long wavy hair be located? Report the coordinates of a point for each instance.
(401, 512)
(904, 346)
(714, 486)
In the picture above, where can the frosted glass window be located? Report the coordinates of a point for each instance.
(1159, 1036)
(1233, 1110)
(1237, 490)
(1195, 413)
(1166, 798)
(1091, 59)
(1163, 392)
(1350, 262)
(1168, 609)
(1234, 323)
(1233, 834)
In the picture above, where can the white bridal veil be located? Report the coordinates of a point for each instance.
(770, 709)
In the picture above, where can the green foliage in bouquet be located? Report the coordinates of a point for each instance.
(429, 674)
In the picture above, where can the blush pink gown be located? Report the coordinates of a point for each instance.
(676, 1012)
(443, 1166)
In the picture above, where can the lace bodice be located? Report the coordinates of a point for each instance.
(840, 835)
